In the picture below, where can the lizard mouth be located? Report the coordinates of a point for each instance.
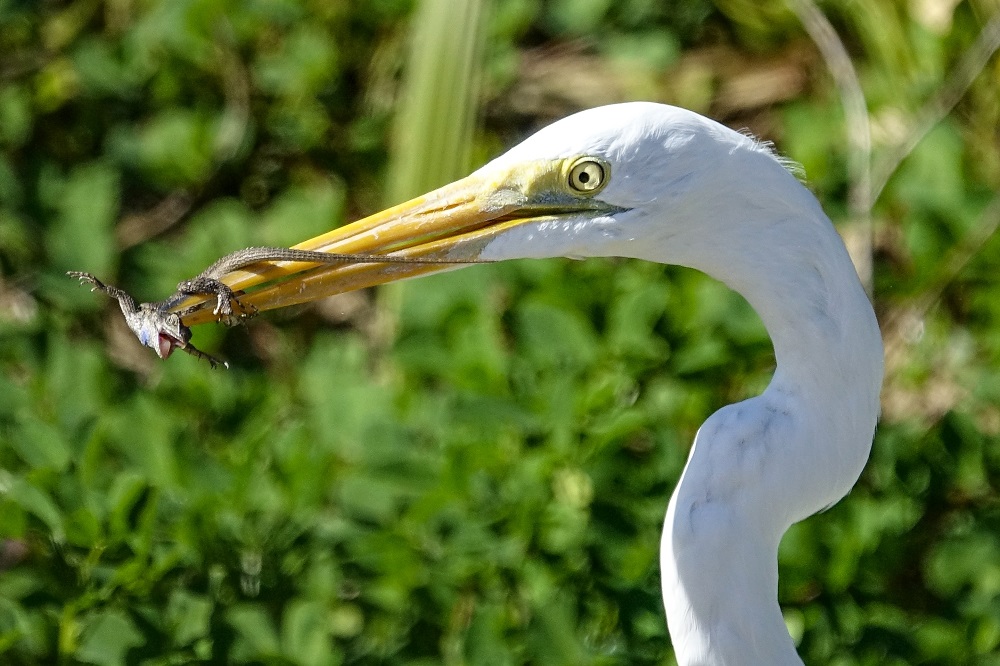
(162, 332)
(165, 345)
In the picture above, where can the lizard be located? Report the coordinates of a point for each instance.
(208, 282)
(156, 328)
(162, 330)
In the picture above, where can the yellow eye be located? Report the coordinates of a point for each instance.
(587, 176)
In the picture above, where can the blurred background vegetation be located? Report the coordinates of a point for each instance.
(471, 468)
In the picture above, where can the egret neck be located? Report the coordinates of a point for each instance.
(761, 465)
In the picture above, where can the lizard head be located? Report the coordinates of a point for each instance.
(160, 331)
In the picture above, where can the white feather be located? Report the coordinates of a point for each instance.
(704, 196)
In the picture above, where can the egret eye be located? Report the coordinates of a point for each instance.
(587, 176)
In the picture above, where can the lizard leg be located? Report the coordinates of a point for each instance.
(156, 328)
(199, 354)
(225, 296)
(124, 299)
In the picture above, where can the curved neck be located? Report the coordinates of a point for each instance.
(760, 465)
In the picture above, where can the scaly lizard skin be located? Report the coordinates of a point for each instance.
(162, 330)
(207, 282)
(156, 328)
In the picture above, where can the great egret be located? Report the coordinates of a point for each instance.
(663, 184)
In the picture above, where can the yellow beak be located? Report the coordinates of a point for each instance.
(451, 224)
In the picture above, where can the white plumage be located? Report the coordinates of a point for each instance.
(662, 184)
(703, 196)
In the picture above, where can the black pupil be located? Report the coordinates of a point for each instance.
(584, 177)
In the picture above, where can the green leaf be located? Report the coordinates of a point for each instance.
(35, 501)
(81, 236)
(301, 67)
(176, 147)
(301, 212)
(107, 638)
(555, 335)
(15, 117)
(256, 636)
(305, 634)
(577, 17)
(41, 445)
(189, 616)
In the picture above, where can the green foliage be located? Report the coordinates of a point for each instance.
(476, 469)
(434, 124)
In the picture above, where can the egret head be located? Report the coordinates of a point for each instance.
(654, 174)
(637, 180)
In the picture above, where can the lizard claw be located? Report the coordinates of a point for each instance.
(245, 311)
(154, 325)
(86, 278)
